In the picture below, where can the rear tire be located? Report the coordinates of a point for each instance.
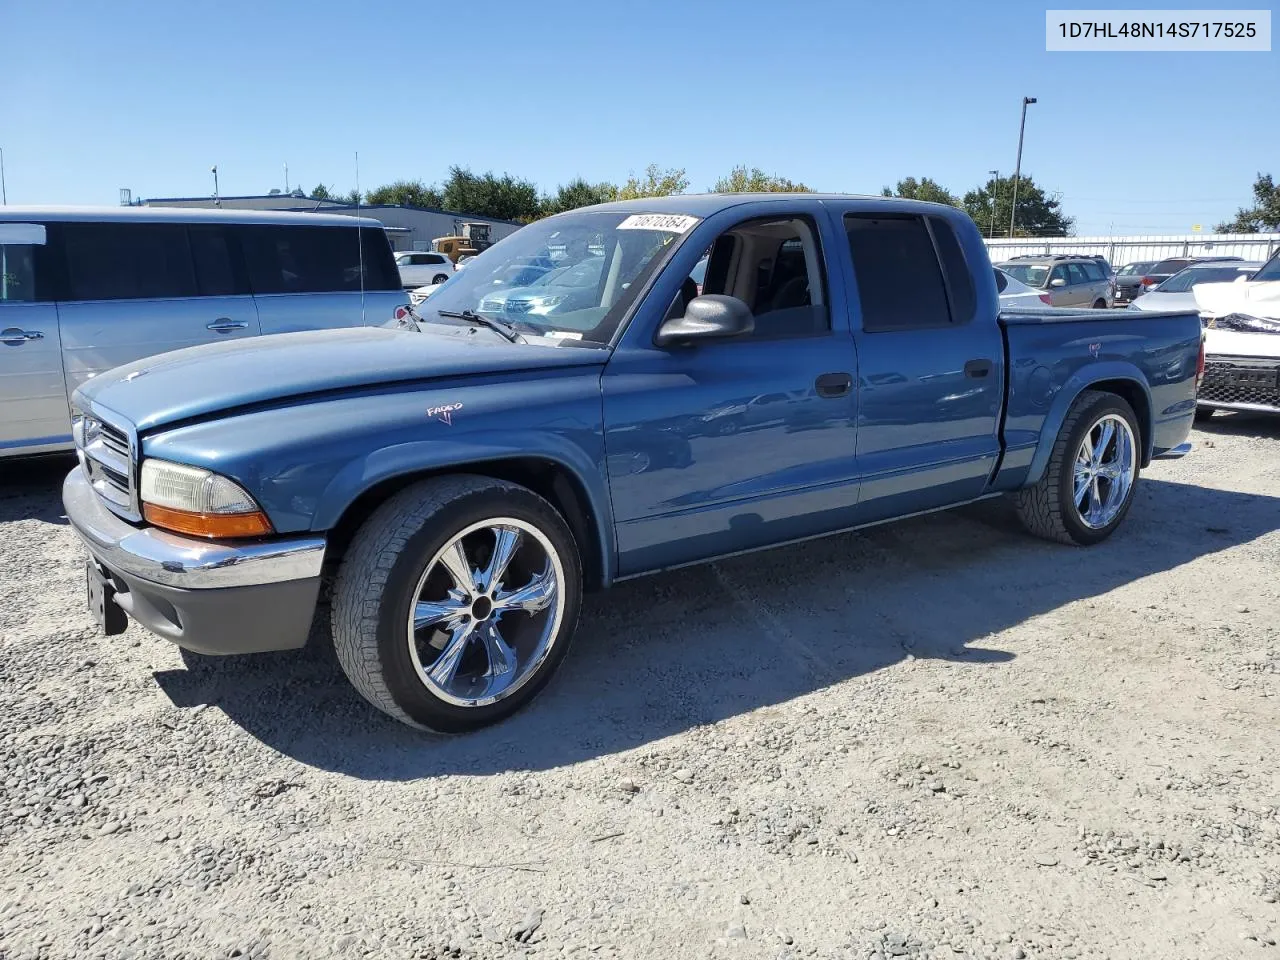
(440, 278)
(1100, 305)
(432, 639)
(1204, 413)
(1051, 507)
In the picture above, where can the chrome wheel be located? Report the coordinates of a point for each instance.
(1104, 471)
(486, 612)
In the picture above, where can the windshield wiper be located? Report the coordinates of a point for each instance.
(504, 330)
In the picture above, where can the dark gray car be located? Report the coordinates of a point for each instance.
(1069, 281)
(1129, 277)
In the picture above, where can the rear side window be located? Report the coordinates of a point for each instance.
(1076, 273)
(1093, 270)
(900, 283)
(1169, 266)
(316, 259)
(959, 279)
(216, 272)
(128, 261)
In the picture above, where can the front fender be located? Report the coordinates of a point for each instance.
(474, 451)
(1077, 383)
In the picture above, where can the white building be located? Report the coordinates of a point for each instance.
(408, 228)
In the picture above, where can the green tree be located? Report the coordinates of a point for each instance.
(922, 189)
(1263, 216)
(320, 192)
(656, 182)
(1039, 215)
(486, 195)
(755, 180)
(352, 197)
(406, 193)
(578, 193)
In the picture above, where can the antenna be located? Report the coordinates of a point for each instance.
(360, 238)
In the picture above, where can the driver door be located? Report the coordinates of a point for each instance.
(728, 445)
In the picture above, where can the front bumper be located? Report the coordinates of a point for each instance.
(214, 598)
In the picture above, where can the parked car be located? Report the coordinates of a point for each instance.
(1014, 293)
(1128, 278)
(465, 478)
(1242, 342)
(1162, 270)
(1177, 293)
(86, 289)
(561, 290)
(419, 268)
(1069, 280)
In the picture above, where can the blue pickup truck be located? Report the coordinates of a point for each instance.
(445, 488)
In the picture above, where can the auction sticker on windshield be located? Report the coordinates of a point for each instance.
(670, 222)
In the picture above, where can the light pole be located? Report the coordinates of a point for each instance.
(4, 194)
(214, 171)
(286, 178)
(1017, 169)
(995, 183)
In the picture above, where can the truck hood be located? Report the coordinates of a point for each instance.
(1257, 299)
(201, 380)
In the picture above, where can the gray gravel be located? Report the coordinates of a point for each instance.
(938, 738)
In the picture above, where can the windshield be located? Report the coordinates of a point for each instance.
(1269, 270)
(572, 277)
(1184, 281)
(1033, 275)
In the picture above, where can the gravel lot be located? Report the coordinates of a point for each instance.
(936, 738)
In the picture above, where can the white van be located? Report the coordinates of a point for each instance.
(86, 289)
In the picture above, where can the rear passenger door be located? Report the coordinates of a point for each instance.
(135, 289)
(309, 278)
(930, 363)
(1081, 286)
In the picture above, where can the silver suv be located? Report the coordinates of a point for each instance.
(1070, 281)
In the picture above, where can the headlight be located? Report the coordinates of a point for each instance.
(199, 502)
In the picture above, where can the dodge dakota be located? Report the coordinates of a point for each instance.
(446, 487)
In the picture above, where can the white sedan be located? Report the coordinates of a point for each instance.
(1015, 294)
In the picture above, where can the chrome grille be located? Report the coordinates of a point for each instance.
(106, 452)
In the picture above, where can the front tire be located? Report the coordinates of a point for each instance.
(1088, 484)
(456, 602)
(440, 278)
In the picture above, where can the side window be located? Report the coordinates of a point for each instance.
(289, 259)
(214, 264)
(1076, 274)
(128, 261)
(900, 283)
(17, 272)
(1058, 273)
(433, 259)
(774, 266)
(964, 299)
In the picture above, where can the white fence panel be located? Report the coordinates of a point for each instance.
(1122, 250)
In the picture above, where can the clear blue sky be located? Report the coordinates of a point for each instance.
(843, 96)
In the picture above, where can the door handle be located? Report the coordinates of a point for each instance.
(226, 325)
(977, 368)
(833, 384)
(15, 337)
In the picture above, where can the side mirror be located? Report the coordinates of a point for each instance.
(712, 316)
(1057, 282)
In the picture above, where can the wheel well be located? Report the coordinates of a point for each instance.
(1131, 391)
(554, 483)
